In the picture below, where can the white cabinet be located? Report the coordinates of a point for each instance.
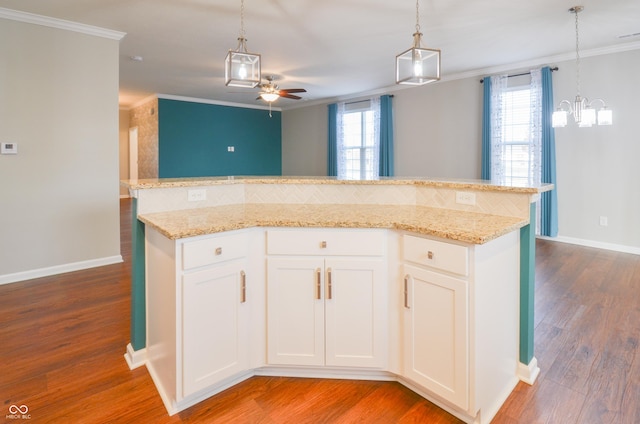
(199, 294)
(460, 315)
(326, 309)
(436, 333)
(214, 322)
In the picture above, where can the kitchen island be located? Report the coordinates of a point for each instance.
(414, 280)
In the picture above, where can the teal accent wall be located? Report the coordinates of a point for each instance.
(138, 303)
(527, 286)
(193, 140)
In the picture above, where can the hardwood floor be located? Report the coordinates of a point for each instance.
(62, 341)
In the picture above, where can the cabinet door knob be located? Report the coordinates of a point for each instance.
(218, 251)
(323, 244)
(430, 254)
(243, 287)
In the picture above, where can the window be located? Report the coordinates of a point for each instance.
(516, 148)
(358, 139)
(518, 152)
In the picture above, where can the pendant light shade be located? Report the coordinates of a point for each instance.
(418, 65)
(241, 68)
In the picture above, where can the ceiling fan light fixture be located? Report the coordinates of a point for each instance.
(241, 68)
(269, 97)
(418, 65)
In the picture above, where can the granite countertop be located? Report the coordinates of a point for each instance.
(469, 227)
(481, 185)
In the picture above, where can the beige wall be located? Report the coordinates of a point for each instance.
(59, 198)
(438, 134)
(145, 117)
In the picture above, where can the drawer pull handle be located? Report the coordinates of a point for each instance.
(406, 291)
(318, 288)
(218, 251)
(323, 245)
(329, 292)
(243, 287)
(430, 254)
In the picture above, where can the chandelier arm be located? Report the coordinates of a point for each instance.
(591, 103)
(567, 104)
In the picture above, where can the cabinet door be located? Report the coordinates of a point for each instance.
(214, 326)
(355, 313)
(295, 311)
(436, 334)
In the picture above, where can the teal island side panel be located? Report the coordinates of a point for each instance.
(194, 140)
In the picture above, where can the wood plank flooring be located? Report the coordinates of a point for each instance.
(62, 341)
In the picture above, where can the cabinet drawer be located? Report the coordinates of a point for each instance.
(213, 250)
(436, 254)
(326, 242)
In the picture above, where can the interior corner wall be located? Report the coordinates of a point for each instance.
(60, 193)
(195, 139)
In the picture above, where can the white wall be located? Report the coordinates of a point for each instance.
(59, 196)
(598, 172)
(438, 134)
(304, 141)
(123, 149)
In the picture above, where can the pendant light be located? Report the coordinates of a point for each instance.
(418, 65)
(241, 68)
(583, 110)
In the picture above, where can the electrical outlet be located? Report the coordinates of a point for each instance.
(604, 221)
(231, 149)
(197, 194)
(465, 198)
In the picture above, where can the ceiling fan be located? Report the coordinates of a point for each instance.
(271, 92)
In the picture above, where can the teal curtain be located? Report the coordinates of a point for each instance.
(549, 199)
(486, 130)
(332, 145)
(386, 136)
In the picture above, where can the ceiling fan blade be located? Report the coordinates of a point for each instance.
(294, 90)
(290, 96)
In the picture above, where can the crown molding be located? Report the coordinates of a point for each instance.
(32, 18)
(216, 102)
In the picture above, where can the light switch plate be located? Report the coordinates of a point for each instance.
(8, 148)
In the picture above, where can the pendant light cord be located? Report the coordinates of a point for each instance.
(577, 53)
(242, 19)
(417, 16)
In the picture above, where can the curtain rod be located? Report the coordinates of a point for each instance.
(365, 99)
(555, 68)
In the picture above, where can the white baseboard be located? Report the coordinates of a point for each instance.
(597, 244)
(135, 358)
(528, 373)
(59, 269)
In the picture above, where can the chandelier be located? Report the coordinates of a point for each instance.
(241, 68)
(418, 65)
(583, 111)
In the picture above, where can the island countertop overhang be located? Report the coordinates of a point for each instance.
(468, 227)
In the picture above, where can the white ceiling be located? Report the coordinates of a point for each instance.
(336, 48)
